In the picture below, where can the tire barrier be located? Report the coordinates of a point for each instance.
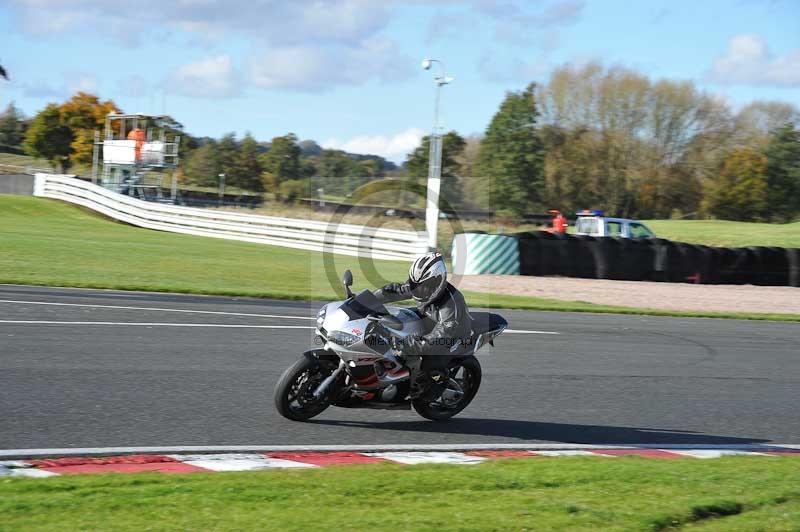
(793, 259)
(584, 253)
(529, 253)
(655, 259)
(771, 267)
(475, 253)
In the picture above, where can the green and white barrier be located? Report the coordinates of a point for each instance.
(475, 254)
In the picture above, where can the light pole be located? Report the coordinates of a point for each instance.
(434, 159)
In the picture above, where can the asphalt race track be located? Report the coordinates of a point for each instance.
(148, 376)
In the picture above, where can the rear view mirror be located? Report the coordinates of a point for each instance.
(347, 281)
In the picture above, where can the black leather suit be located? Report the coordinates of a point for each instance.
(449, 324)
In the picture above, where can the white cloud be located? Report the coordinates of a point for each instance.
(212, 77)
(80, 82)
(497, 67)
(311, 68)
(134, 86)
(275, 21)
(305, 45)
(72, 82)
(515, 22)
(395, 147)
(748, 62)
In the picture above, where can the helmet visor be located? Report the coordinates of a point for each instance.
(424, 290)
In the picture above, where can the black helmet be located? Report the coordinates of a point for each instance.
(427, 277)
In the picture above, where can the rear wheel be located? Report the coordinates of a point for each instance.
(294, 393)
(463, 383)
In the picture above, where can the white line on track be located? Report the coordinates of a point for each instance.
(215, 312)
(221, 325)
(159, 309)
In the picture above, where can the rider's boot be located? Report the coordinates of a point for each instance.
(428, 385)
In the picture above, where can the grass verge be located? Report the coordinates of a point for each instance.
(735, 493)
(50, 243)
(728, 234)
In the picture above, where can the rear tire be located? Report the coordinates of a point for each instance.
(467, 373)
(294, 392)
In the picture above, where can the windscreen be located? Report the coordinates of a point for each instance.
(363, 304)
(587, 225)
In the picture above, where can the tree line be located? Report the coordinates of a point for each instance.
(588, 137)
(611, 139)
(63, 134)
(284, 166)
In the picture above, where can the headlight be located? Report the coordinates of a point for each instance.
(321, 316)
(342, 338)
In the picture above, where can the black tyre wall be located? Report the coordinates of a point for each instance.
(772, 266)
(529, 253)
(793, 259)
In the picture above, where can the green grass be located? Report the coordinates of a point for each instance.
(22, 160)
(47, 242)
(728, 234)
(580, 493)
(50, 243)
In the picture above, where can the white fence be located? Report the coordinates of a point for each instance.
(353, 240)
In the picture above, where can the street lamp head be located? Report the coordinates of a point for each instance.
(426, 64)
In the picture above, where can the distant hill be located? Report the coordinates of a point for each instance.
(310, 148)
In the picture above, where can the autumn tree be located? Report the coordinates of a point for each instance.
(783, 173)
(84, 114)
(282, 161)
(50, 138)
(338, 172)
(12, 129)
(510, 159)
(247, 174)
(635, 147)
(740, 192)
(755, 123)
(202, 166)
(226, 151)
(418, 161)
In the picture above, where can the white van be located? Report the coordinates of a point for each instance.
(594, 223)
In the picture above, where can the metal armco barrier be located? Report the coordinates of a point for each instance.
(475, 253)
(353, 240)
(657, 259)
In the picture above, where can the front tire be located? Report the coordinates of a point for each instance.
(294, 392)
(465, 373)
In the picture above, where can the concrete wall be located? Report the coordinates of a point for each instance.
(20, 184)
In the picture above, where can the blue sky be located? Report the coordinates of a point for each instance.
(347, 72)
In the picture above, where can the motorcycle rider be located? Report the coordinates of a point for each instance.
(446, 314)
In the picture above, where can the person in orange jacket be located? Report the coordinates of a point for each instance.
(138, 135)
(559, 221)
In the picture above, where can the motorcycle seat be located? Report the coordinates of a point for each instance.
(484, 322)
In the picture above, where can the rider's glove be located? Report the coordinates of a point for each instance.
(392, 288)
(414, 343)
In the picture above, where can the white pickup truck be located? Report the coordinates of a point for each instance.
(594, 223)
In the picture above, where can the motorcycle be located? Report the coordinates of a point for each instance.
(360, 363)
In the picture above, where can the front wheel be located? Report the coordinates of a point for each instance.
(294, 393)
(463, 383)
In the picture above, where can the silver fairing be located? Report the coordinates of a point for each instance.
(337, 321)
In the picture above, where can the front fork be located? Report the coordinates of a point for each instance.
(322, 389)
